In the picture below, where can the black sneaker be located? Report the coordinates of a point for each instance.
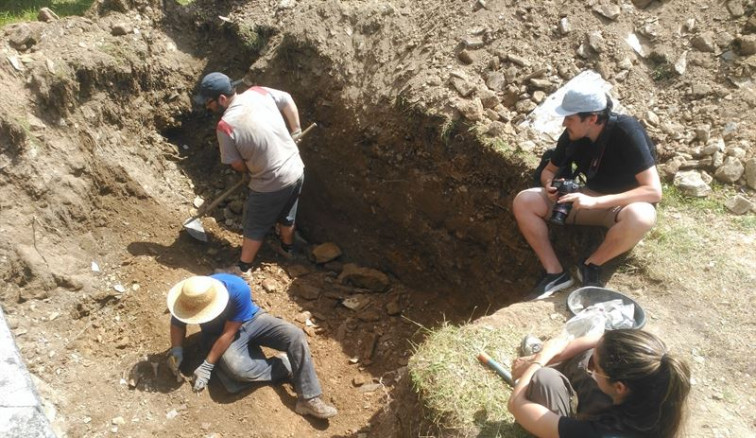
(589, 274)
(549, 284)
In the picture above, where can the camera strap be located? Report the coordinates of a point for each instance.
(601, 143)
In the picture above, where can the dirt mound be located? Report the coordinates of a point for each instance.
(418, 154)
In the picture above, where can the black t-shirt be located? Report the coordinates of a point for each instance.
(627, 153)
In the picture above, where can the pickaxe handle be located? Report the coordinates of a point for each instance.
(496, 366)
(206, 209)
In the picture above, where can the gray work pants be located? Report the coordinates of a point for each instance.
(567, 389)
(244, 360)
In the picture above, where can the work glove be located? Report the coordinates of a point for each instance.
(175, 357)
(202, 375)
(296, 134)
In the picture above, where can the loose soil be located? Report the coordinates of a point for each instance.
(102, 157)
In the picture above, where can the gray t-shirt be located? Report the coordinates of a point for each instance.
(253, 130)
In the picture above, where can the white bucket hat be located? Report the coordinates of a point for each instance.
(582, 100)
(197, 300)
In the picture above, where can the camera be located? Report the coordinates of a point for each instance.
(561, 211)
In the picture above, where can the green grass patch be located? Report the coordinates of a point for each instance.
(13, 11)
(691, 240)
(676, 199)
(460, 394)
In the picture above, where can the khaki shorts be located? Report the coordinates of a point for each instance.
(605, 217)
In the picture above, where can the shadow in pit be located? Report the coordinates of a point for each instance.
(152, 374)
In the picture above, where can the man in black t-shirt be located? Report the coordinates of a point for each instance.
(622, 186)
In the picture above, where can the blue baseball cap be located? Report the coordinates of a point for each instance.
(582, 100)
(213, 85)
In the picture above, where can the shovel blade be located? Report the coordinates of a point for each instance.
(193, 226)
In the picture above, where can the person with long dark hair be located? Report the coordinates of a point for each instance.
(622, 384)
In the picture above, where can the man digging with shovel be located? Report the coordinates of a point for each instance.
(254, 138)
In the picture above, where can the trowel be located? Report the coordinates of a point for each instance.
(193, 225)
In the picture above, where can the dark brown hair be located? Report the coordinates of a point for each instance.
(658, 382)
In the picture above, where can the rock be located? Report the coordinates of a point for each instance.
(488, 98)
(522, 62)
(540, 84)
(525, 106)
(690, 25)
(626, 63)
(564, 26)
(269, 285)
(704, 42)
(198, 202)
(326, 252)
(692, 184)
(539, 96)
(730, 171)
(729, 130)
(23, 37)
(463, 87)
(750, 173)
(359, 380)
(119, 29)
(703, 132)
(700, 90)
(713, 146)
(642, 3)
(735, 151)
(369, 315)
(739, 205)
(370, 387)
(750, 26)
(47, 15)
(286, 4)
(495, 81)
(472, 43)
(736, 8)
(526, 146)
(596, 41)
(496, 129)
(295, 271)
(471, 109)
(366, 278)
(394, 307)
(465, 56)
(745, 45)
(652, 118)
(306, 291)
(681, 64)
(608, 10)
(491, 114)
(355, 302)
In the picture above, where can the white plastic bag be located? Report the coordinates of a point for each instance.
(595, 319)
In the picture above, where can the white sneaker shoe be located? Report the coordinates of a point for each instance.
(315, 407)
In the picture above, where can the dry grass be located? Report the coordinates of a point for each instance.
(461, 395)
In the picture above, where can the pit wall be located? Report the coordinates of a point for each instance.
(416, 194)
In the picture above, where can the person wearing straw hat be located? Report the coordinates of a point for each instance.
(622, 187)
(233, 330)
(257, 135)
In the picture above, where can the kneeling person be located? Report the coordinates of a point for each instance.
(234, 328)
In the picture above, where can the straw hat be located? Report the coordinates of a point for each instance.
(197, 300)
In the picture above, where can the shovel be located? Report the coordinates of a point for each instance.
(193, 225)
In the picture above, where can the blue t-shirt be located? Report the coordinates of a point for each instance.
(240, 307)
